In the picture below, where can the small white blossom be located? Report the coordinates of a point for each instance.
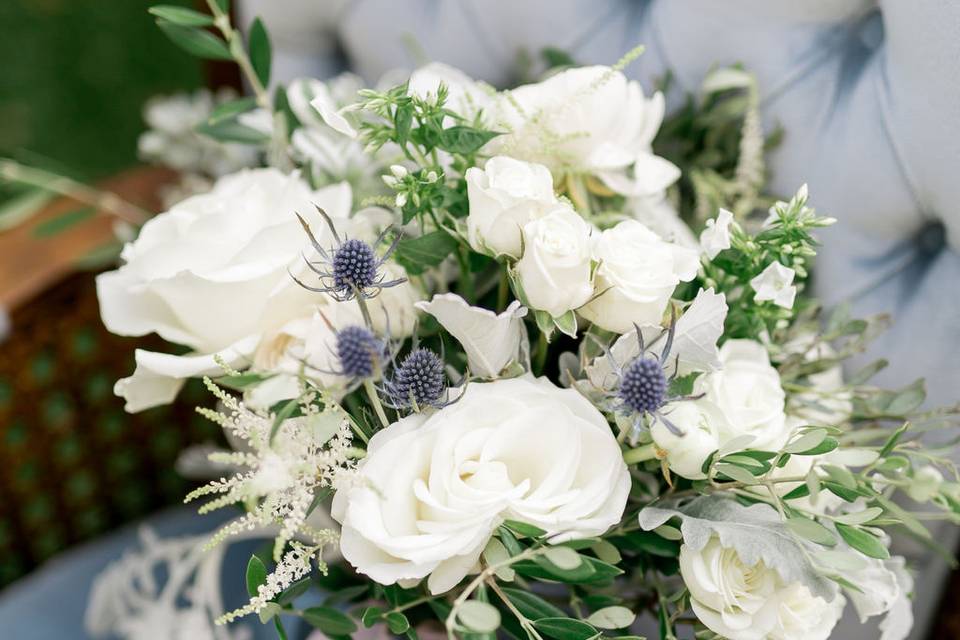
(776, 284)
(716, 237)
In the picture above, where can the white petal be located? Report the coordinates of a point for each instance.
(159, 376)
(332, 117)
(491, 341)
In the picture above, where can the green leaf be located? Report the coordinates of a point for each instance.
(269, 611)
(607, 552)
(509, 541)
(531, 605)
(397, 622)
(464, 140)
(564, 558)
(565, 628)
(256, 575)
(63, 222)
(330, 621)
(194, 41)
(22, 207)
(652, 543)
(567, 323)
(908, 399)
(416, 255)
(294, 591)
(402, 120)
(479, 617)
(841, 475)
(260, 51)
(859, 517)
(524, 529)
(826, 446)
(496, 553)
(230, 109)
(371, 616)
(736, 473)
(224, 5)
(232, 131)
(841, 560)
(864, 542)
(807, 441)
(612, 618)
(181, 16)
(811, 530)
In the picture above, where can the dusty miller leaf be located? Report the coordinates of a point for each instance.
(755, 532)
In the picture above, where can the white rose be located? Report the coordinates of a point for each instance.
(590, 120)
(637, 274)
(504, 196)
(434, 487)
(747, 391)
(716, 236)
(555, 267)
(751, 602)
(700, 421)
(212, 274)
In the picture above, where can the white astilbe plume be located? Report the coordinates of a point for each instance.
(295, 565)
(282, 471)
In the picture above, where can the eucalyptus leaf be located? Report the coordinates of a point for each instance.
(256, 575)
(330, 621)
(811, 530)
(532, 605)
(565, 628)
(564, 557)
(756, 533)
(260, 51)
(863, 541)
(181, 15)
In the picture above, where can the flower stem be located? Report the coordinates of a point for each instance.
(106, 201)
(640, 454)
(375, 401)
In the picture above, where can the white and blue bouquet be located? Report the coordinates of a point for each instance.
(530, 363)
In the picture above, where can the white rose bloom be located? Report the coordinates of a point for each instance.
(587, 120)
(743, 602)
(638, 273)
(748, 393)
(716, 236)
(700, 421)
(434, 487)
(555, 267)
(212, 274)
(504, 196)
(775, 283)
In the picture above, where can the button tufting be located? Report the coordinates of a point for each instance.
(870, 29)
(932, 238)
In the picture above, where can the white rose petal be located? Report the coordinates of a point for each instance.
(212, 272)
(700, 422)
(555, 268)
(747, 390)
(504, 196)
(716, 236)
(433, 488)
(775, 283)
(491, 341)
(638, 273)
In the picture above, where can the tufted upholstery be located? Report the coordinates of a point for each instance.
(868, 94)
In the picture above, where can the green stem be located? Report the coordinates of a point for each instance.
(375, 401)
(503, 291)
(640, 454)
(540, 353)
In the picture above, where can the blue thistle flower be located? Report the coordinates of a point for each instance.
(351, 269)
(419, 381)
(360, 352)
(643, 385)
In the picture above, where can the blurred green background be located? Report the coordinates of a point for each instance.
(75, 76)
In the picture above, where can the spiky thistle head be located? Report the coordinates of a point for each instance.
(419, 379)
(643, 385)
(359, 351)
(351, 268)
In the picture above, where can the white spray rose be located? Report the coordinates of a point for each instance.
(700, 421)
(748, 393)
(504, 196)
(555, 267)
(587, 120)
(434, 487)
(212, 274)
(638, 273)
(744, 602)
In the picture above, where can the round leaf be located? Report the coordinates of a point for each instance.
(479, 617)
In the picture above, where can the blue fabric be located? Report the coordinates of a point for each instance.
(50, 603)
